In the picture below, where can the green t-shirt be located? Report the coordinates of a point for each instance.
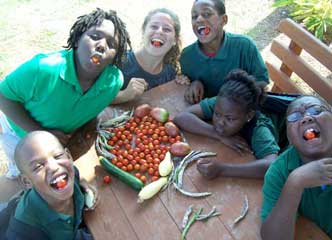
(260, 132)
(236, 51)
(48, 88)
(315, 203)
(33, 210)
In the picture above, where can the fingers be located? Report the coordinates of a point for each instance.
(137, 85)
(182, 80)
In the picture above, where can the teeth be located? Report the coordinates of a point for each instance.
(158, 40)
(61, 177)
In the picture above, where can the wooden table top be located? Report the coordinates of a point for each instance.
(119, 216)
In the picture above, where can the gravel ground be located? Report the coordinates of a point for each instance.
(30, 26)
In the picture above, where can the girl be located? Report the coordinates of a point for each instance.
(216, 52)
(63, 90)
(156, 62)
(235, 116)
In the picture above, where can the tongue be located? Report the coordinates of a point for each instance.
(61, 184)
(156, 43)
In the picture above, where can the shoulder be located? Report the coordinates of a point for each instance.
(234, 38)
(284, 163)
(190, 50)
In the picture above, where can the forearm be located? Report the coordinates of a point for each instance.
(253, 169)
(17, 113)
(280, 224)
(122, 97)
(193, 124)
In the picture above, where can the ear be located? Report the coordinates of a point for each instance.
(250, 115)
(25, 181)
(224, 19)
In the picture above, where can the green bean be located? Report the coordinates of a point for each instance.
(191, 221)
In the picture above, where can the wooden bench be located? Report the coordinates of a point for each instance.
(294, 62)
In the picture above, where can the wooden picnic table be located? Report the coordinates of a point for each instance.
(119, 216)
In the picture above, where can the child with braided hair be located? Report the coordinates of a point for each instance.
(61, 91)
(237, 123)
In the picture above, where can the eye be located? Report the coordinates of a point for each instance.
(229, 119)
(194, 16)
(59, 155)
(167, 29)
(207, 15)
(38, 167)
(95, 36)
(154, 27)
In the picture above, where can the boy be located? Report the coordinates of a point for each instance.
(62, 91)
(299, 180)
(53, 205)
(216, 52)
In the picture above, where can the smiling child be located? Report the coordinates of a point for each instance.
(216, 52)
(63, 90)
(54, 202)
(298, 182)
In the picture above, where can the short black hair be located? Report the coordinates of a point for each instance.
(219, 6)
(95, 18)
(242, 88)
(322, 100)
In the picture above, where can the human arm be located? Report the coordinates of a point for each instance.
(254, 169)
(135, 88)
(280, 221)
(191, 120)
(86, 186)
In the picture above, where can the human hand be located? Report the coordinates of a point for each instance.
(237, 143)
(135, 88)
(208, 168)
(195, 93)
(182, 79)
(313, 174)
(61, 136)
(89, 187)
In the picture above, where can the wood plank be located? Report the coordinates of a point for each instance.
(281, 80)
(319, 83)
(309, 230)
(307, 41)
(293, 47)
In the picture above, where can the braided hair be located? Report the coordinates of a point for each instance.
(95, 18)
(242, 88)
(172, 56)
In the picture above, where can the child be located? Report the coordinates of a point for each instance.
(61, 91)
(156, 62)
(234, 114)
(53, 205)
(216, 52)
(296, 181)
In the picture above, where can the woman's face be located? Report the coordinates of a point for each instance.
(159, 34)
(207, 24)
(228, 117)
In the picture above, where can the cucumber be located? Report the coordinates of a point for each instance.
(125, 177)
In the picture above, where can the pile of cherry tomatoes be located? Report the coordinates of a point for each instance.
(139, 146)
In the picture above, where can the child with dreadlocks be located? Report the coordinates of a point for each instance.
(61, 91)
(237, 123)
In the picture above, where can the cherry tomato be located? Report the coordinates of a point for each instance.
(61, 184)
(107, 179)
(143, 179)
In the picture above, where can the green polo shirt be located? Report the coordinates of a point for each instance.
(34, 210)
(236, 51)
(315, 203)
(48, 88)
(260, 132)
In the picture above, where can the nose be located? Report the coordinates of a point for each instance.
(307, 119)
(101, 47)
(52, 165)
(199, 18)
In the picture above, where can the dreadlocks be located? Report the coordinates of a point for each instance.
(95, 18)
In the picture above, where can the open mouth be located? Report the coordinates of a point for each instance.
(203, 30)
(157, 42)
(311, 134)
(60, 182)
(96, 59)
